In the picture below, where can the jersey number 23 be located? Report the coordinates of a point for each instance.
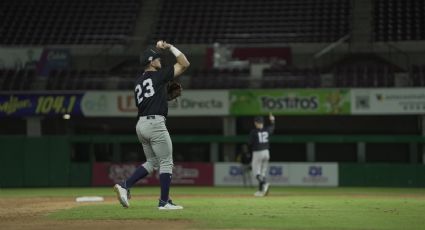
(144, 91)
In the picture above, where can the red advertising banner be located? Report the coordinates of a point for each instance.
(268, 53)
(183, 174)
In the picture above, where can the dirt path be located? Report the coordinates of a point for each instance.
(28, 213)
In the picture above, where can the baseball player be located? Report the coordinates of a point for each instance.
(259, 144)
(245, 157)
(151, 100)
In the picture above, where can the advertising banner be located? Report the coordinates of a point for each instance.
(222, 103)
(122, 104)
(228, 173)
(312, 174)
(54, 59)
(20, 57)
(201, 103)
(290, 102)
(231, 173)
(183, 174)
(280, 174)
(388, 101)
(109, 104)
(24, 105)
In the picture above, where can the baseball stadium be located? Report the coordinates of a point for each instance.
(212, 114)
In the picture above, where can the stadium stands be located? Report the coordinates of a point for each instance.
(240, 22)
(11, 79)
(66, 21)
(351, 76)
(364, 76)
(90, 80)
(220, 79)
(76, 80)
(399, 20)
(290, 78)
(251, 21)
(417, 76)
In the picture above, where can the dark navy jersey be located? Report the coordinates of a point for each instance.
(150, 92)
(246, 158)
(259, 138)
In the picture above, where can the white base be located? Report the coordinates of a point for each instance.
(89, 199)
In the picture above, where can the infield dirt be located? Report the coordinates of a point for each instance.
(30, 213)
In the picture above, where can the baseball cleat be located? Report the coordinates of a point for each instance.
(258, 193)
(168, 205)
(128, 194)
(266, 189)
(122, 195)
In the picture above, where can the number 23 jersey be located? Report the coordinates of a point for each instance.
(150, 92)
(259, 138)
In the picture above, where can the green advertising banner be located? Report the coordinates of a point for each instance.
(290, 102)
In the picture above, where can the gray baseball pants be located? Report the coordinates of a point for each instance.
(260, 162)
(156, 142)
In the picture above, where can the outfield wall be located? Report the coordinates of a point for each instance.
(40, 162)
(47, 162)
(382, 175)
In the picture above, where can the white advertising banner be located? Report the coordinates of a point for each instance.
(122, 104)
(312, 174)
(388, 101)
(228, 173)
(280, 174)
(108, 104)
(19, 57)
(200, 103)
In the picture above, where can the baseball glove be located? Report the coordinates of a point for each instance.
(174, 90)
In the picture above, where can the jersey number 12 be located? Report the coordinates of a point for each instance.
(147, 88)
(263, 137)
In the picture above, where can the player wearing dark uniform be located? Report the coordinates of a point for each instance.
(245, 157)
(259, 144)
(151, 100)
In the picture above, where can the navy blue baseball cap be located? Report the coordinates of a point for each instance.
(149, 55)
(259, 119)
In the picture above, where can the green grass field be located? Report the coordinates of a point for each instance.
(232, 208)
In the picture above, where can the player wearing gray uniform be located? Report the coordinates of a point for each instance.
(259, 143)
(151, 100)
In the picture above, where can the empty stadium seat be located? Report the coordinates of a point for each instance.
(66, 21)
(417, 76)
(399, 20)
(15, 80)
(219, 79)
(289, 77)
(363, 76)
(250, 21)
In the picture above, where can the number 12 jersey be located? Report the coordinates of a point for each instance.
(259, 138)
